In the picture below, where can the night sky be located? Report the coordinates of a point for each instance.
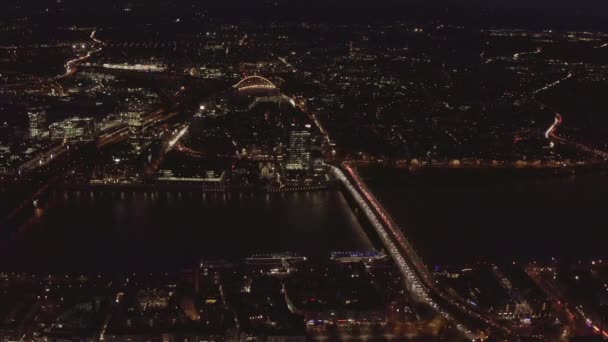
(570, 14)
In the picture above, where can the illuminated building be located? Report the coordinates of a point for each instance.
(266, 170)
(135, 123)
(365, 256)
(299, 149)
(36, 123)
(135, 67)
(73, 129)
(210, 176)
(153, 299)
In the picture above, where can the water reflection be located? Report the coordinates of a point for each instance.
(163, 231)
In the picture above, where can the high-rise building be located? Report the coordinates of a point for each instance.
(299, 148)
(36, 123)
(73, 130)
(135, 123)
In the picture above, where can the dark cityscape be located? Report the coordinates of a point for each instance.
(289, 171)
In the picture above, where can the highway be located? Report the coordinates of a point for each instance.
(576, 317)
(551, 133)
(419, 280)
(42, 159)
(576, 324)
(553, 84)
(171, 140)
(71, 66)
(556, 123)
(518, 55)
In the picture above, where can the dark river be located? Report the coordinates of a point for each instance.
(109, 231)
(455, 216)
(451, 216)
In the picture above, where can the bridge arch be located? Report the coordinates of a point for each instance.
(254, 82)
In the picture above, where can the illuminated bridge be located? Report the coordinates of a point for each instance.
(255, 84)
(419, 280)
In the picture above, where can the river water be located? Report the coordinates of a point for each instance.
(456, 216)
(140, 231)
(451, 217)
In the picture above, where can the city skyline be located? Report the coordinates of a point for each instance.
(175, 170)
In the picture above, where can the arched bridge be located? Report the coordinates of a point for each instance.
(254, 83)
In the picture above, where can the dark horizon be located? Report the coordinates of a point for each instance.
(549, 14)
(290, 171)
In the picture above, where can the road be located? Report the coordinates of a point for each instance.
(42, 159)
(171, 140)
(553, 84)
(71, 66)
(551, 133)
(518, 55)
(419, 280)
(544, 278)
(602, 46)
